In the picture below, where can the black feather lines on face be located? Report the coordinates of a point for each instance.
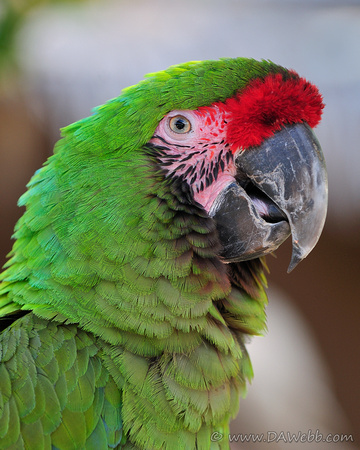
(196, 177)
(178, 185)
(210, 170)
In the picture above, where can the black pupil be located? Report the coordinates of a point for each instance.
(180, 124)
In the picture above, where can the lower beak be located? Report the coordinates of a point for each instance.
(280, 189)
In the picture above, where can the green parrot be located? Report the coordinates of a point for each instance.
(137, 272)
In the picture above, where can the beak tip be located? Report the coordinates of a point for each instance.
(292, 265)
(299, 253)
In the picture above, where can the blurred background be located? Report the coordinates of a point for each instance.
(59, 59)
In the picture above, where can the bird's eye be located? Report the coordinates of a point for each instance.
(179, 124)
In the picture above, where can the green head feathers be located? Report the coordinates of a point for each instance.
(137, 111)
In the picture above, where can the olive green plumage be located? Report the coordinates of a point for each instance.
(55, 390)
(136, 330)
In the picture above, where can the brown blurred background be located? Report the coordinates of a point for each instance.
(60, 59)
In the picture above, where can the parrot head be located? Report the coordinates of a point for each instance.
(253, 163)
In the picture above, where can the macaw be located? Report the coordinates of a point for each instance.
(138, 269)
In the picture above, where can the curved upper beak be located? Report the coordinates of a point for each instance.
(281, 188)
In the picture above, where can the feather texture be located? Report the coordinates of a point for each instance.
(55, 389)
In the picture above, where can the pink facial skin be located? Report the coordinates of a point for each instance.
(193, 145)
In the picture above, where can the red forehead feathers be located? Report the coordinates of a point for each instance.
(266, 104)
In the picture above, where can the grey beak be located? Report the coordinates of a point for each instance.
(281, 189)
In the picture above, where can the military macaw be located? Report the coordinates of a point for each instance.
(137, 272)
